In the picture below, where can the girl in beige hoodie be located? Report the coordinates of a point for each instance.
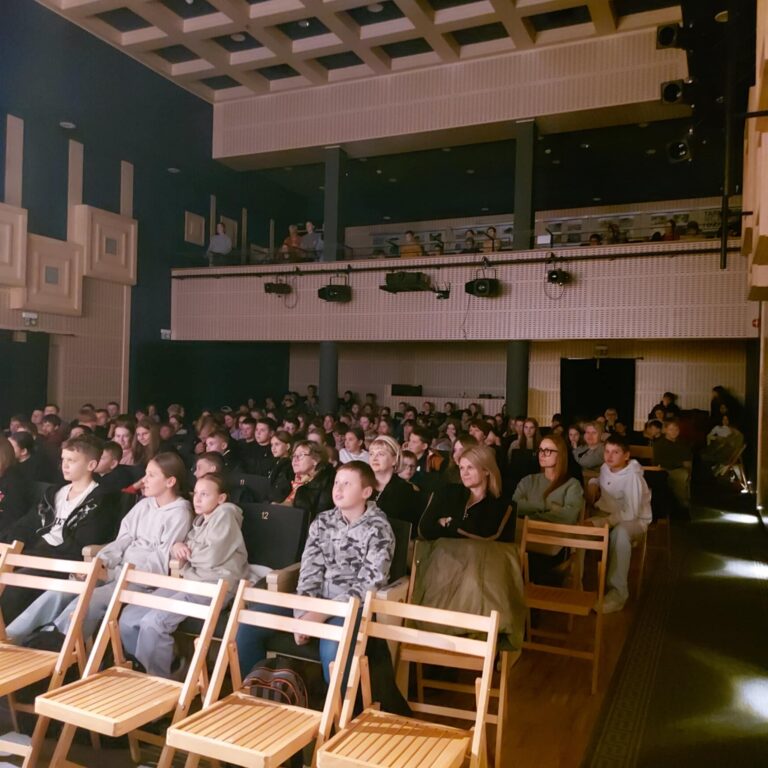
(214, 549)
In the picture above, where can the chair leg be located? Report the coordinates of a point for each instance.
(166, 757)
(501, 712)
(420, 683)
(14, 714)
(643, 549)
(134, 747)
(38, 736)
(59, 757)
(193, 761)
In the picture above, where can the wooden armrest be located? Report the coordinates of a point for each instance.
(91, 550)
(174, 567)
(284, 580)
(397, 591)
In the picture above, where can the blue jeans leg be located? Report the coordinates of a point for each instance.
(329, 649)
(251, 641)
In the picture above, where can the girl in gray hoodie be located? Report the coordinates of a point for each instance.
(214, 549)
(145, 538)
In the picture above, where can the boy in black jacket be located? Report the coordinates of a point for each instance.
(67, 519)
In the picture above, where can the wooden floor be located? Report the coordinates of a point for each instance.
(551, 711)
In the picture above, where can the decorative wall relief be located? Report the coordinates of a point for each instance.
(109, 244)
(54, 278)
(194, 228)
(13, 245)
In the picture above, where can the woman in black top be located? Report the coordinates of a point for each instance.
(473, 509)
(312, 485)
(14, 489)
(281, 474)
(396, 497)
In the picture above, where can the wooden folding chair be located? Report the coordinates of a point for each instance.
(21, 666)
(566, 600)
(249, 731)
(378, 738)
(408, 654)
(119, 700)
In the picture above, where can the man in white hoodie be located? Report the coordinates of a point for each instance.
(624, 504)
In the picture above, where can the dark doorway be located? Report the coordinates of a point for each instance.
(24, 377)
(588, 387)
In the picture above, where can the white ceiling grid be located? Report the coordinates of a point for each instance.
(273, 59)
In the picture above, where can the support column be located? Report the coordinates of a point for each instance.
(518, 353)
(525, 146)
(329, 377)
(333, 220)
(762, 419)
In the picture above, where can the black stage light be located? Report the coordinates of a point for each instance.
(402, 282)
(341, 293)
(281, 289)
(670, 36)
(558, 277)
(486, 287)
(679, 151)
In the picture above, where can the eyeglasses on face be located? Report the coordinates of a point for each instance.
(301, 455)
(547, 451)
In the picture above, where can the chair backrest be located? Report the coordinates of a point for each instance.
(29, 572)
(641, 452)
(402, 531)
(585, 537)
(259, 485)
(126, 594)
(374, 624)
(274, 534)
(241, 613)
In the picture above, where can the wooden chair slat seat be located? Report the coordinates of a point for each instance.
(573, 601)
(20, 667)
(113, 702)
(246, 730)
(380, 739)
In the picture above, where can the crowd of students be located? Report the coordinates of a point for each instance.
(449, 474)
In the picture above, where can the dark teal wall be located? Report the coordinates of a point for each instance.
(51, 70)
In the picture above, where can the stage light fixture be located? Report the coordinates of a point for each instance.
(558, 277)
(339, 291)
(670, 36)
(485, 287)
(406, 282)
(679, 151)
(279, 288)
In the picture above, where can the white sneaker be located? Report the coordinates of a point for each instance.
(612, 602)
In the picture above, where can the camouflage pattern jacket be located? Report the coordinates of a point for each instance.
(342, 560)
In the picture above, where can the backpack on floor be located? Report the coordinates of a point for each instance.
(274, 680)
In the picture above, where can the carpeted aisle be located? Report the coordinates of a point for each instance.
(692, 684)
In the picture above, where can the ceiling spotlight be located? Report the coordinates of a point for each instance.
(558, 277)
(174, 170)
(679, 151)
(379, 171)
(375, 8)
(584, 145)
(485, 209)
(391, 179)
(721, 17)
(278, 288)
(67, 125)
(321, 188)
(650, 151)
(387, 218)
(443, 293)
(555, 162)
(446, 149)
(642, 125)
(238, 37)
(597, 199)
(548, 151)
(672, 91)
(669, 36)
(304, 23)
(470, 171)
(339, 292)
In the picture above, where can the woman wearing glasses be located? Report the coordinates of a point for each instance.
(552, 494)
(312, 484)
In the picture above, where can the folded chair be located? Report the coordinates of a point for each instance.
(565, 600)
(118, 700)
(419, 656)
(20, 666)
(376, 738)
(248, 731)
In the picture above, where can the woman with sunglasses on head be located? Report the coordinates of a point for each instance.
(552, 494)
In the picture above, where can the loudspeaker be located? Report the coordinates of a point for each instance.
(281, 289)
(483, 286)
(400, 282)
(413, 390)
(335, 292)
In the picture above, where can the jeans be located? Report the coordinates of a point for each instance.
(252, 642)
(620, 543)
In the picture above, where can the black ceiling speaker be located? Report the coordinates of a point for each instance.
(402, 282)
(486, 287)
(341, 293)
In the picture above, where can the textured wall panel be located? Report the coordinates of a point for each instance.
(672, 295)
(13, 245)
(591, 74)
(690, 369)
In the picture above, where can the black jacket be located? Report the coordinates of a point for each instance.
(92, 522)
(280, 479)
(316, 495)
(256, 459)
(15, 496)
(400, 500)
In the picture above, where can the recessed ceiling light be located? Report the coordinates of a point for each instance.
(363, 159)
(67, 125)
(379, 171)
(375, 8)
(391, 179)
(304, 23)
(642, 125)
(387, 218)
(321, 188)
(555, 162)
(584, 145)
(174, 170)
(485, 209)
(650, 151)
(597, 199)
(189, 2)
(721, 17)
(288, 168)
(547, 151)
(470, 171)
(446, 149)
(238, 37)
